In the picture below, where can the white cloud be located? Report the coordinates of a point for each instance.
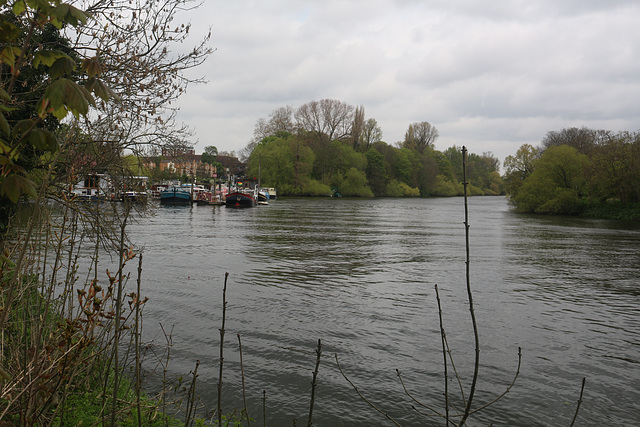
(489, 75)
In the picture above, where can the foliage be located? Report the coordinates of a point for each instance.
(42, 80)
(355, 184)
(519, 166)
(328, 140)
(557, 184)
(400, 189)
(576, 171)
(210, 154)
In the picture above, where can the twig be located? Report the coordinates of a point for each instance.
(137, 345)
(444, 355)
(416, 400)
(361, 396)
(116, 338)
(244, 393)
(224, 313)
(313, 382)
(508, 388)
(458, 379)
(169, 339)
(192, 396)
(584, 380)
(476, 368)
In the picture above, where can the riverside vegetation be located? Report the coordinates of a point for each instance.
(578, 171)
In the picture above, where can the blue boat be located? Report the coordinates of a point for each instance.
(175, 196)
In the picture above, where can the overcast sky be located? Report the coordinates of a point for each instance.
(490, 75)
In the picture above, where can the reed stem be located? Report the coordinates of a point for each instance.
(224, 314)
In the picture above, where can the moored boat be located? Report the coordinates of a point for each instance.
(208, 198)
(175, 196)
(263, 196)
(239, 200)
(271, 192)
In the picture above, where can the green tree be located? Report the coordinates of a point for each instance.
(519, 166)
(41, 81)
(209, 155)
(376, 172)
(355, 184)
(615, 169)
(557, 185)
(285, 163)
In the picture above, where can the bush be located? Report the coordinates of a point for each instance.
(400, 189)
(355, 184)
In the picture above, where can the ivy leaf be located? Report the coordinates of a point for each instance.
(14, 186)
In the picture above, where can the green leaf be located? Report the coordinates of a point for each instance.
(4, 95)
(8, 32)
(4, 149)
(14, 186)
(47, 57)
(50, 140)
(100, 89)
(4, 125)
(37, 139)
(22, 127)
(64, 95)
(69, 15)
(61, 67)
(9, 54)
(19, 7)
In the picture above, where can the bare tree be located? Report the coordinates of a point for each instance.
(140, 46)
(582, 139)
(419, 136)
(371, 133)
(358, 126)
(327, 118)
(280, 120)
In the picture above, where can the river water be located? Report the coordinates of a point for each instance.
(359, 275)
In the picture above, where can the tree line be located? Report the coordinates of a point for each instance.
(329, 147)
(577, 171)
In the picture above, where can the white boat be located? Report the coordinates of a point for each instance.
(272, 192)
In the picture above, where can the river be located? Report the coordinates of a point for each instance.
(359, 275)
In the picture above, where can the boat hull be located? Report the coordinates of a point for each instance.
(239, 200)
(175, 196)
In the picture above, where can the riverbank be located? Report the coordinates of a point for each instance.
(613, 210)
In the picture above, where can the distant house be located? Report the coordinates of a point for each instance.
(186, 162)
